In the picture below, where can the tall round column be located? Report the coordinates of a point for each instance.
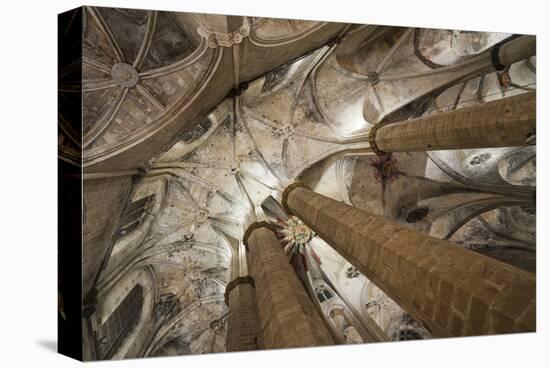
(506, 122)
(452, 290)
(288, 317)
(243, 324)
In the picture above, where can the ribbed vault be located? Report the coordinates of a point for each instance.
(304, 118)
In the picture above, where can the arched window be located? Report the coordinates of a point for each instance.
(323, 293)
(408, 334)
(111, 334)
(133, 216)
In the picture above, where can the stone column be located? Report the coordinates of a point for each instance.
(243, 325)
(502, 123)
(288, 317)
(513, 51)
(452, 290)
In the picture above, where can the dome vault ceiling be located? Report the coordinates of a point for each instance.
(146, 75)
(210, 117)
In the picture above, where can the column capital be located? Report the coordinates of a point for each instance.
(256, 225)
(287, 191)
(372, 140)
(239, 280)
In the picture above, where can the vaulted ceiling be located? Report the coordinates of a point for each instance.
(164, 92)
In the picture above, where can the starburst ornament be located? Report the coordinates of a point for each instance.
(294, 233)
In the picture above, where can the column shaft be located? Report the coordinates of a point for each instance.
(517, 50)
(288, 317)
(454, 291)
(243, 324)
(502, 123)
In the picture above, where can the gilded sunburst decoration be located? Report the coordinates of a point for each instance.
(294, 232)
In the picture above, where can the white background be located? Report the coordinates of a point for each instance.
(28, 207)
